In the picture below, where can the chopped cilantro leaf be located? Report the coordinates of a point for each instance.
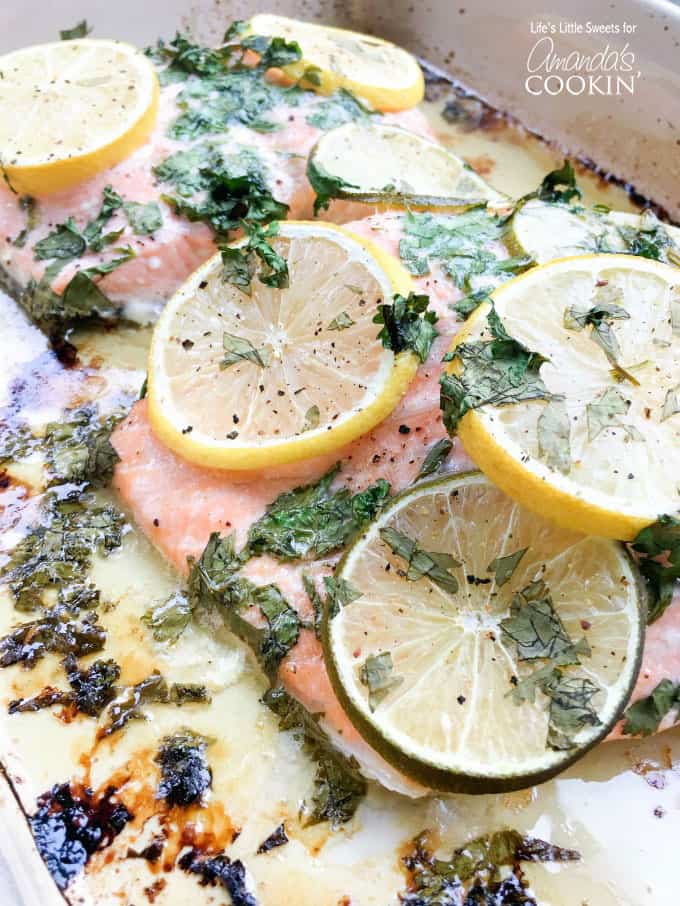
(185, 772)
(377, 675)
(504, 567)
(341, 322)
(433, 564)
(554, 435)
(435, 457)
(144, 219)
(312, 521)
(498, 372)
(168, 620)
(239, 265)
(238, 349)
(644, 716)
(407, 324)
(79, 447)
(326, 185)
(81, 30)
(341, 107)
(661, 539)
(559, 185)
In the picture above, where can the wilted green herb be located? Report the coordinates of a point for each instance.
(605, 412)
(79, 447)
(536, 628)
(407, 324)
(312, 521)
(341, 322)
(435, 457)
(144, 219)
(463, 244)
(185, 772)
(650, 239)
(81, 30)
(504, 567)
(435, 565)
(554, 435)
(30, 206)
(239, 263)
(130, 701)
(311, 420)
(559, 185)
(495, 372)
(91, 689)
(341, 107)
(465, 306)
(599, 316)
(338, 786)
(16, 442)
(238, 349)
(644, 716)
(168, 620)
(660, 539)
(671, 403)
(377, 674)
(472, 876)
(326, 185)
(54, 631)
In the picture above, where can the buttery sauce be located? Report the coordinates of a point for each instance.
(619, 806)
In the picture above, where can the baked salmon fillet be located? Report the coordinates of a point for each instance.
(179, 504)
(154, 216)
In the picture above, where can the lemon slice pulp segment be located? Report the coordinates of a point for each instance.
(389, 166)
(484, 649)
(70, 109)
(244, 381)
(596, 447)
(385, 75)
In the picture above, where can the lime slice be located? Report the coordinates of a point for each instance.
(382, 73)
(461, 596)
(545, 230)
(244, 378)
(71, 109)
(590, 437)
(386, 165)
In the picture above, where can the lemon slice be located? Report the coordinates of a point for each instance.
(460, 597)
(71, 109)
(545, 231)
(593, 441)
(389, 166)
(243, 381)
(386, 76)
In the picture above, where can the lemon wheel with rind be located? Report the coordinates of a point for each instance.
(304, 372)
(71, 109)
(385, 75)
(621, 473)
(446, 716)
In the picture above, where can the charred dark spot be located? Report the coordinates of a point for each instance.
(71, 823)
(220, 869)
(276, 838)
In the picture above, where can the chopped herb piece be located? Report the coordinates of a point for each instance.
(16, 443)
(311, 521)
(30, 206)
(559, 185)
(599, 317)
(79, 447)
(273, 52)
(81, 30)
(435, 458)
(644, 716)
(144, 219)
(660, 539)
(83, 299)
(283, 625)
(604, 412)
(277, 837)
(339, 593)
(338, 785)
(671, 403)
(377, 675)
(571, 708)
(128, 703)
(504, 567)
(407, 324)
(465, 306)
(231, 875)
(185, 772)
(554, 435)
(326, 185)
(464, 245)
(341, 107)
(650, 239)
(341, 322)
(312, 75)
(65, 242)
(168, 620)
(536, 628)
(433, 564)
(312, 417)
(495, 372)
(55, 631)
(472, 876)
(238, 349)
(189, 694)
(91, 689)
